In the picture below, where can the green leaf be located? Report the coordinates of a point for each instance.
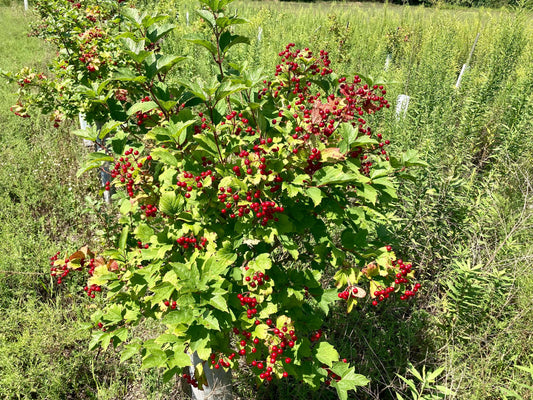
(349, 379)
(143, 232)
(195, 39)
(156, 31)
(224, 22)
(292, 190)
(209, 321)
(90, 133)
(107, 128)
(133, 15)
(162, 292)
(135, 47)
(349, 135)
(125, 206)
(227, 88)
(289, 245)
(93, 160)
(227, 40)
(364, 141)
(113, 314)
(328, 297)
(315, 194)
(142, 107)
(178, 131)
(129, 351)
(180, 359)
(207, 16)
(326, 353)
(432, 375)
(219, 302)
(127, 75)
(156, 358)
(333, 175)
(164, 156)
(411, 158)
(177, 317)
(123, 237)
(261, 263)
(170, 203)
(226, 255)
(166, 62)
(369, 193)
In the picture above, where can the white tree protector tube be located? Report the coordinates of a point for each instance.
(218, 382)
(402, 103)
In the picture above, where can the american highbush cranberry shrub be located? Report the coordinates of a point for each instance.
(239, 194)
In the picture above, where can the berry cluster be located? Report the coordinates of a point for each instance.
(172, 305)
(381, 294)
(276, 349)
(90, 55)
(124, 169)
(296, 62)
(189, 181)
(60, 272)
(19, 110)
(190, 380)
(91, 289)
(63, 270)
(221, 362)
(313, 162)
(315, 337)
(264, 211)
(257, 279)
(142, 116)
(250, 303)
(149, 210)
(76, 5)
(187, 242)
(350, 291)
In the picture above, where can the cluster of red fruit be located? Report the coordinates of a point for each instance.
(250, 303)
(315, 337)
(349, 291)
(264, 211)
(76, 5)
(149, 210)
(19, 110)
(221, 362)
(188, 181)
(190, 380)
(59, 272)
(92, 13)
(91, 289)
(124, 169)
(281, 341)
(142, 116)
(63, 270)
(89, 52)
(172, 304)
(289, 64)
(257, 279)
(191, 242)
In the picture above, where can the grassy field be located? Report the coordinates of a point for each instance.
(467, 223)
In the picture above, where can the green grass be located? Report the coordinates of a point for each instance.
(472, 206)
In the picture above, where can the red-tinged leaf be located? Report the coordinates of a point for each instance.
(332, 155)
